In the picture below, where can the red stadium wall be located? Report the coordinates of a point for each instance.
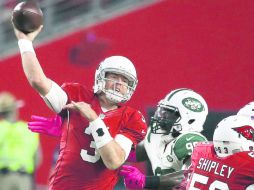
(204, 45)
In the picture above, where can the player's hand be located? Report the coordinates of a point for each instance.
(84, 109)
(133, 178)
(30, 36)
(43, 125)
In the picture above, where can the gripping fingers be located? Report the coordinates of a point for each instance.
(34, 124)
(124, 173)
(35, 127)
(38, 118)
(38, 131)
(126, 170)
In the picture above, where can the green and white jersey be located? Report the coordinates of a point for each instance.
(167, 156)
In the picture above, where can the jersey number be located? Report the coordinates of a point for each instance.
(84, 153)
(215, 185)
(190, 146)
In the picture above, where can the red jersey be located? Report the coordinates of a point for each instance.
(79, 166)
(210, 172)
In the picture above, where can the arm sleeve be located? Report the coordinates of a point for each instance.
(56, 98)
(125, 144)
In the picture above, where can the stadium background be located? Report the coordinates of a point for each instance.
(206, 45)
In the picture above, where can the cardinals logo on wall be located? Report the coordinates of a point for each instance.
(245, 131)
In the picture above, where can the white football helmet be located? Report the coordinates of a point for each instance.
(234, 134)
(247, 110)
(119, 65)
(182, 110)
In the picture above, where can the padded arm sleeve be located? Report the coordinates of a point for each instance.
(56, 98)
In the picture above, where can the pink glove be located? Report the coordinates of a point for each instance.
(133, 178)
(48, 126)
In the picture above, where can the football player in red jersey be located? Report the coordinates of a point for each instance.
(97, 130)
(227, 163)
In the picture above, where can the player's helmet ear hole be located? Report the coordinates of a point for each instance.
(191, 121)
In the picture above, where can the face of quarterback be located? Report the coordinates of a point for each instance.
(116, 77)
(117, 83)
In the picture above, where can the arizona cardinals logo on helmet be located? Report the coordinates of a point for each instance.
(245, 131)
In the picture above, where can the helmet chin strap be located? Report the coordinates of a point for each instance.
(106, 104)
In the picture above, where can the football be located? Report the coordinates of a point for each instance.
(27, 16)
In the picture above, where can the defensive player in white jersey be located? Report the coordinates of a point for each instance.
(227, 163)
(174, 131)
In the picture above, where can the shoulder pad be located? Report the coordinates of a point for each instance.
(184, 144)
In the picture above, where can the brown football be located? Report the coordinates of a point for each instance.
(27, 16)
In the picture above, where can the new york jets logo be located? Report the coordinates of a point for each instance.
(169, 158)
(193, 104)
